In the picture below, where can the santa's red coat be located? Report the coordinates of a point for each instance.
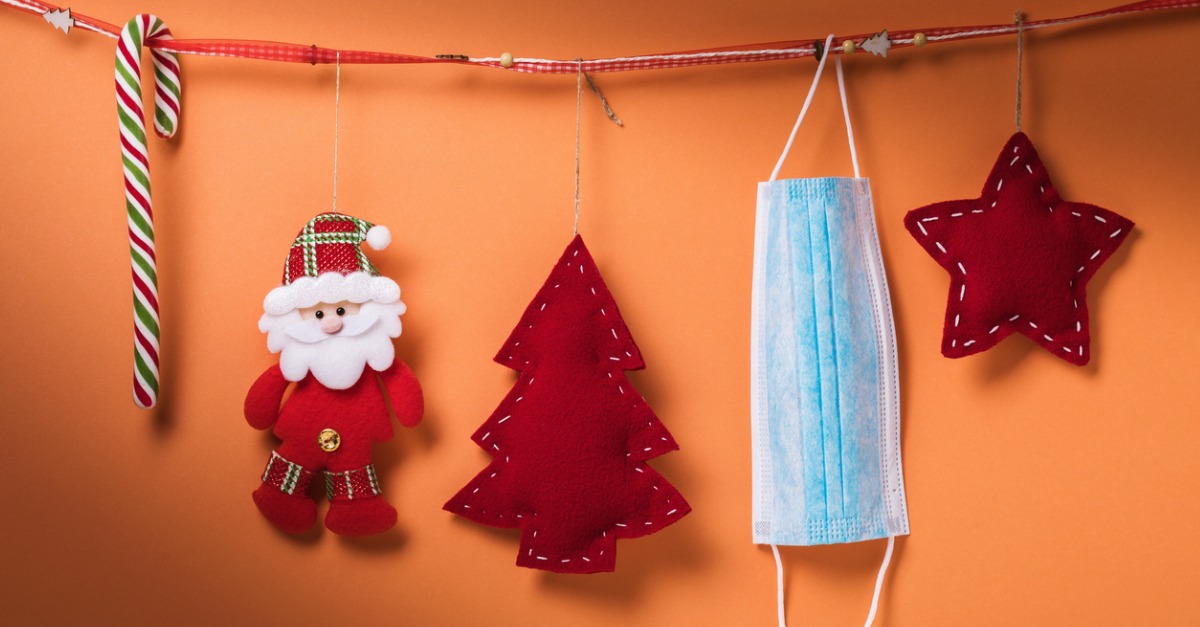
(359, 414)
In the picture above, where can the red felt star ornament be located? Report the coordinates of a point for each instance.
(1019, 258)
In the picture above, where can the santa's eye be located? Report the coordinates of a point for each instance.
(320, 314)
(341, 311)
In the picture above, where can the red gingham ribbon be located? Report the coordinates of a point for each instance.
(299, 53)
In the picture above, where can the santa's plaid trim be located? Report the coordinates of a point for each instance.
(330, 237)
(352, 484)
(286, 476)
(309, 246)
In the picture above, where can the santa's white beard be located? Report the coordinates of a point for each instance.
(337, 361)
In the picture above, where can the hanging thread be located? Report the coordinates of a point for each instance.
(578, 107)
(337, 107)
(603, 101)
(1020, 20)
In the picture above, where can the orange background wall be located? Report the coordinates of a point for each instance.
(1039, 493)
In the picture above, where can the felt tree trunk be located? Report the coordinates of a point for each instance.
(571, 439)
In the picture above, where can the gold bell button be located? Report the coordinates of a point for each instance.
(329, 440)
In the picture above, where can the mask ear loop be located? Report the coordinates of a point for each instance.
(779, 585)
(846, 114)
(803, 110)
(887, 559)
(808, 101)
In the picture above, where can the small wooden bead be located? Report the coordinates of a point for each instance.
(848, 47)
(506, 59)
(919, 39)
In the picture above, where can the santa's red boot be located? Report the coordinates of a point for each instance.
(355, 507)
(283, 496)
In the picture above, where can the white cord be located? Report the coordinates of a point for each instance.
(779, 585)
(846, 114)
(803, 110)
(808, 101)
(887, 559)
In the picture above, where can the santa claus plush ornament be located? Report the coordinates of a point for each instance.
(332, 322)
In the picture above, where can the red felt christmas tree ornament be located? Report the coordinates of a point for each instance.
(1019, 257)
(571, 439)
(332, 321)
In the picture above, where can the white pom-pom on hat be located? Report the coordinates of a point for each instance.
(378, 237)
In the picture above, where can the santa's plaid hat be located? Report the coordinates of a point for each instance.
(326, 264)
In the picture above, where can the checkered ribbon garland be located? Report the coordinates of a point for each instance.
(298, 53)
(139, 31)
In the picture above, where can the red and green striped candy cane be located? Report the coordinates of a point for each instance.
(135, 158)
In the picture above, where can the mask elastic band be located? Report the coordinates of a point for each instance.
(804, 109)
(846, 114)
(808, 101)
(779, 585)
(887, 560)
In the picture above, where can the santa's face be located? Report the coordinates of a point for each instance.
(330, 316)
(334, 341)
(324, 320)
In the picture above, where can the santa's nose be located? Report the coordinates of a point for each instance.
(331, 324)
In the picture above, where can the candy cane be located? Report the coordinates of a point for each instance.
(134, 156)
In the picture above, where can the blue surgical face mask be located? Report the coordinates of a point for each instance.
(824, 388)
(826, 422)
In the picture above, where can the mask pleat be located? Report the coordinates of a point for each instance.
(821, 204)
(787, 453)
(808, 354)
(859, 365)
